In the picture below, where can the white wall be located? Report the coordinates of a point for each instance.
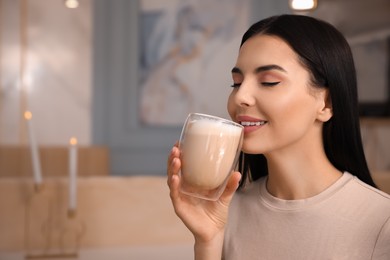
(45, 68)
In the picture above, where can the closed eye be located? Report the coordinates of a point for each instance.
(266, 84)
(270, 84)
(235, 85)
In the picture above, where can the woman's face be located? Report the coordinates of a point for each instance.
(273, 99)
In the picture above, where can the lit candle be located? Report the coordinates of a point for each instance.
(72, 175)
(34, 152)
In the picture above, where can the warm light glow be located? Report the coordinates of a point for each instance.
(27, 115)
(73, 141)
(303, 5)
(28, 82)
(72, 3)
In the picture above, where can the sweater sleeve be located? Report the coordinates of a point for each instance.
(382, 247)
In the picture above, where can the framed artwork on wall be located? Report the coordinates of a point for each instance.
(186, 51)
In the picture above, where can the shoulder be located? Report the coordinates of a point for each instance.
(382, 248)
(374, 206)
(370, 192)
(367, 197)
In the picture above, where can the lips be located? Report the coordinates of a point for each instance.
(250, 123)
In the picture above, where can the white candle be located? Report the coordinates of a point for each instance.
(72, 175)
(34, 151)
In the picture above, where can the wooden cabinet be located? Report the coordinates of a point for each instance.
(376, 141)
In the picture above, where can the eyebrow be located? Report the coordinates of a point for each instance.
(262, 69)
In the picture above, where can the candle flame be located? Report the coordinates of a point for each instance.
(27, 115)
(71, 3)
(73, 141)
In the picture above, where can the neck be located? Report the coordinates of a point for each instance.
(300, 174)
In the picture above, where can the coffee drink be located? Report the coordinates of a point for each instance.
(209, 149)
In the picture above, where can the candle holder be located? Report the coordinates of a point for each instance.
(38, 187)
(71, 213)
(51, 231)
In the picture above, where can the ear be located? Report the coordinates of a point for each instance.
(325, 111)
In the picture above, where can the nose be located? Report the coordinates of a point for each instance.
(245, 95)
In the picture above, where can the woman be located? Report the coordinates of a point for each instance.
(305, 191)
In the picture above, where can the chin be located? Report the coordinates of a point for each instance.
(251, 150)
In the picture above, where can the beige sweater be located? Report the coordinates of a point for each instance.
(350, 220)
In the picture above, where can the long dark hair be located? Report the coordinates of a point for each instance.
(324, 51)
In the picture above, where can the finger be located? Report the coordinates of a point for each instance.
(231, 187)
(173, 170)
(174, 188)
(175, 153)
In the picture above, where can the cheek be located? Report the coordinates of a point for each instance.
(295, 117)
(293, 106)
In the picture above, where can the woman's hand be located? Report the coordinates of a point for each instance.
(205, 219)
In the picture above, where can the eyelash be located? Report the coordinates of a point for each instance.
(265, 84)
(270, 84)
(235, 85)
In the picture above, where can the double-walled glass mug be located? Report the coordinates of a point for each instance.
(209, 150)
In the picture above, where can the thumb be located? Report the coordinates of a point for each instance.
(231, 187)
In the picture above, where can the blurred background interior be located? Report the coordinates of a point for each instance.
(93, 94)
